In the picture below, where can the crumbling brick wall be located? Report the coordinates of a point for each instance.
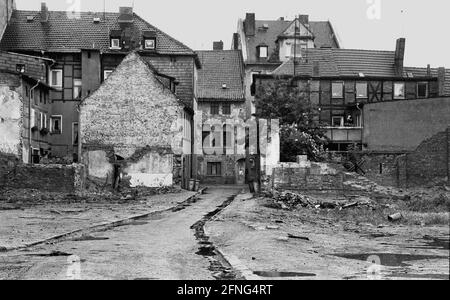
(48, 178)
(308, 176)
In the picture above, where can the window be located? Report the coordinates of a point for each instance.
(41, 119)
(56, 78)
(56, 124)
(337, 121)
(337, 90)
(214, 109)
(149, 44)
(399, 90)
(263, 51)
(115, 43)
(361, 90)
(75, 133)
(422, 90)
(214, 169)
(106, 74)
(77, 88)
(226, 109)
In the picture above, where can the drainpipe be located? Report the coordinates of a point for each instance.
(30, 149)
(362, 122)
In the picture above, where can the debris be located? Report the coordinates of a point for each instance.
(54, 211)
(273, 227)
(353, 204)
(395, 217)
(298, 237)
(283, 238)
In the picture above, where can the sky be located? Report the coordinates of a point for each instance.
(360, 24)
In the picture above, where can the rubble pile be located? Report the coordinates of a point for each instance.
(289, 201)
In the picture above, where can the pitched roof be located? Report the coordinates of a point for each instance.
(218, 68)
(322, 30)
(350, 62)
(63, 33)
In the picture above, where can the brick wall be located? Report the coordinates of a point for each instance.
(33, 65)
(51, 178)
(307, 176)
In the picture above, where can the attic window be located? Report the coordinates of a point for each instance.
(263, 51)
(115, 43)
(30, 18)
(150, 43)
(96, 20)
(224, 86)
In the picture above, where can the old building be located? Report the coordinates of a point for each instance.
(86, 48)
(134, 129)
(228, 142)
(6, 9)
(266, 44)
(221, 106)
(356, 90)
(25, 108)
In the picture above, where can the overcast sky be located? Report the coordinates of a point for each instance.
(360, 24)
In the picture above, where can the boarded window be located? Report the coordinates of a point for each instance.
(214, 169)
(56, 78)
(422, 90)
(215, 108)
(226, 109)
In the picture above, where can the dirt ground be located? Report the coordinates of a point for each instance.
(316, 243)
(24, 221)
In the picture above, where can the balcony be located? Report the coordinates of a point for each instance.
(344, 134)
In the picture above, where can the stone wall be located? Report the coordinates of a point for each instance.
(10, 114)
(308, 176)
(48, 178)
(6, 8)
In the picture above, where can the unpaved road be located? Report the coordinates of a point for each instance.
(160, 247)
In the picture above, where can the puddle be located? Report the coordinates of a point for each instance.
(51, 254)
(390, 259)
(272, 274)
(380, 235)
(206, 251)
(421, 276)
(433, 243)
(89, 238)
(218, 266)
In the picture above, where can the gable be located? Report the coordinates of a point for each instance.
(133, 109)
(302, 30)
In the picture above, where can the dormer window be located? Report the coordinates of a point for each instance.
(149, 39)
(150, 44)
(115, 43)
(263, 51)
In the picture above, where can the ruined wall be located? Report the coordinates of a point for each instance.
(307, 176)
(34, 66)
(6, 8)
(127, 122)
(403, 125)
(430, 161)
(48, 178)
(10, 114)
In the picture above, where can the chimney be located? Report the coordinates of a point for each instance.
(218, 45)
(429, 70)
(249, 24)
(281, 19)
(125, 16)
(304, 19)
(235, 41)
(399, 56)
(441, 80)
(44, 13)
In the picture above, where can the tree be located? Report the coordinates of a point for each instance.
(300, 130)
